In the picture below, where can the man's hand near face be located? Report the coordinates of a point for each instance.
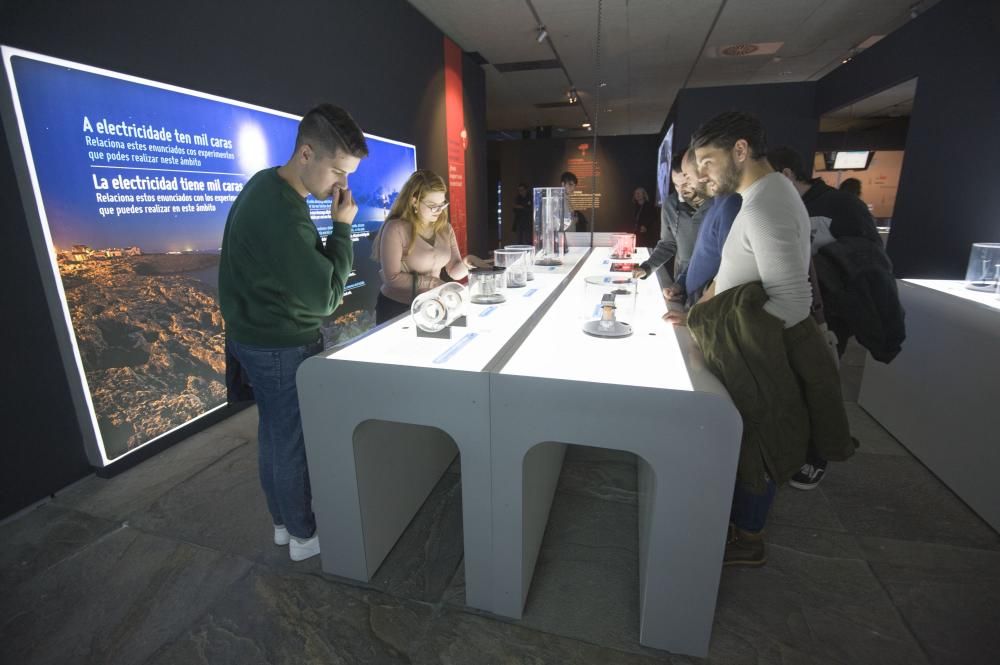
(342, 206)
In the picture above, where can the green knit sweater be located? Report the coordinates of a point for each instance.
(277, 279)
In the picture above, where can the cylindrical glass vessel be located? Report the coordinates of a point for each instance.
(515, 266)
(529, 250)
(433, 310)
(622, 245)
(551, 209)
(485, 286)
(981, 275)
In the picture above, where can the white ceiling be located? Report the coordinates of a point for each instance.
(648, 49)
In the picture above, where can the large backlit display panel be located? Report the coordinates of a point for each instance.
(127, 185)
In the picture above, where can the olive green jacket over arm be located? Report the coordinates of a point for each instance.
(784, 383)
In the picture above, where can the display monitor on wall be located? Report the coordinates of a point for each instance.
(843, 160)
(127, 184)
(663, 159)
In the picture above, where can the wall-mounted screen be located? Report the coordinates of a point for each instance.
(127, 184)
(854, 159)
(663, 159)
(842, 160)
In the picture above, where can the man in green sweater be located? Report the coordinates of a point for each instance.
(278, 280)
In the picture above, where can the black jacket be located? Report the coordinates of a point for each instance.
(859, 289)
(848, 214)
(783, 382)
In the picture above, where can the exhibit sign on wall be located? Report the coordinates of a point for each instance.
(127, 184)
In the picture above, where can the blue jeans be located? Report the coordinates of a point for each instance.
(750, 510)
(284, 472)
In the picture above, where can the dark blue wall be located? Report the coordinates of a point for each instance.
(948, 189)
(788, 111)
(380, 58)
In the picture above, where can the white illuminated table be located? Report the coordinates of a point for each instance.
(649, 394)
(383, 418)
(940, 395)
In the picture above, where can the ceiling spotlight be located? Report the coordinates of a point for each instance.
(542, 33)
(586, 125)
(572, 95)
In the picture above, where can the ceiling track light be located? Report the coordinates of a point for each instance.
(542, 33)
(573, 96)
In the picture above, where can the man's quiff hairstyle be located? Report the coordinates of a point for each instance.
(724, 130)
(328, 128)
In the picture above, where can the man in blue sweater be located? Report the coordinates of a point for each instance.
(707, 254)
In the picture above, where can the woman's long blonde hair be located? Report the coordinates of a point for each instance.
(422, 182)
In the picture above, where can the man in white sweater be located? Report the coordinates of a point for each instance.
(768, 243)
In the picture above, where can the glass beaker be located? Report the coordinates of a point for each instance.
(433, 310)
(624, 288)
(529, 259)
(485, 286)
(622, 245)
(981, 273)
(551, 208)
(515, 264)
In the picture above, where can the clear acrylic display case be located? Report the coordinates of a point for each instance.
(622, 245)
(984, 266)
(434, 310)
(552, 215)
(529, 259)
(609, 305)
(515, 265)
(486, 286)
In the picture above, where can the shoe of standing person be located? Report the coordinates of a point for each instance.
(300, 550)
(744, 548)
(808, 476)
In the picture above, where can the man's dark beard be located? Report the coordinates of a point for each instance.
(729, 179)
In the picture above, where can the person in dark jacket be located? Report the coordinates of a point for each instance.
(522, 215)
(851, 186)
(569, 182)
(847, 215)
(645, 218)
(854, 275)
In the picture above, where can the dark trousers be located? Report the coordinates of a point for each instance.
(387, 309)
(750, 510)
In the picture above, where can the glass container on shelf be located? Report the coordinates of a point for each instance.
(515, 267)
(609, 304)
(551, 214)
(529, 251)
(622, 245)
(434, 310)
(984, 259)
(486, 286)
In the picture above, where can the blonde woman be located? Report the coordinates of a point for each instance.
(415, 244)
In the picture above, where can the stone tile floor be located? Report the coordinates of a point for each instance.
(171, 563)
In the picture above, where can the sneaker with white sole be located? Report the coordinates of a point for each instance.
(300, 550)
(808, 476)
(281, 535)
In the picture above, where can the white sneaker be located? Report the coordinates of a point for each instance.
(300, 550)
(281, 536)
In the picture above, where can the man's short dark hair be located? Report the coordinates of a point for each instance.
(724, 130)
(783, 157)
(569, 177)
(329, 128)
(677, 163)
(851, 186)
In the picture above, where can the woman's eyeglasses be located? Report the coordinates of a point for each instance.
(436, 209)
